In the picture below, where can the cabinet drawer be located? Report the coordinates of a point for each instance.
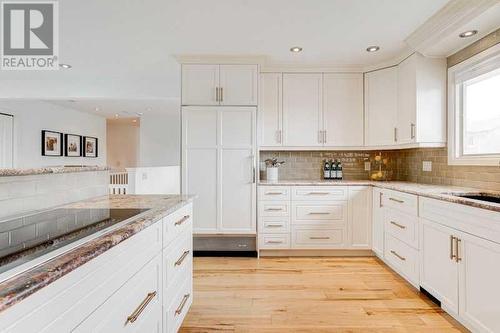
(176, 257)
(274, 241)
(274, 208)
(332, 213)
(317, 238)
(274, 225)
(135, 307)
(318, 193)
(179, 307)
(404, 202)
(176, 223)
(402, 226)
(274, 193)
(402, 258)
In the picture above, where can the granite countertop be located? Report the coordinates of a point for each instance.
(440, 192)
(22, 285)
(50, 170)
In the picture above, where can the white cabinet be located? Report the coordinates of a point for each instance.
(208, 84)
(302, 110)
(421, 97)
(218, 164)
(6, 140)
(381, 107)
(377, 223)
(270, 110)
(360, 222)
(343, 110)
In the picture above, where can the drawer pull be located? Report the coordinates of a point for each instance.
(274, 225)
(396, 200)
(398, 225)
(181, 259)
(452, 247)
(137, 312)
(274, 242)
(318, 193)
(319, 238)
(319, 213)
(274, 193)
(397, 255)
(459, 241)
(178, 311)
(181, 221)
(274, 209)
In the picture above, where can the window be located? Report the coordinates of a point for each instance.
(474, 110)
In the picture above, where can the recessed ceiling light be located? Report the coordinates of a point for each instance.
(468, 33)
(373, 48)
(296, 49)
(65, 66)
(116, 115)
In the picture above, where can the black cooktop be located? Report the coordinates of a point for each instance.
(29, 237)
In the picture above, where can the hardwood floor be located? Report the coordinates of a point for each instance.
(308, 295)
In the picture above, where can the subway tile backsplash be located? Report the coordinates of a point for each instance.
(404, 165)
(22, 194)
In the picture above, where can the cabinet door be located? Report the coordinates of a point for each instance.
(237, 170)
(360, 222)
(380, 107)
(238, 84)
(302, 110)
(270, 110)
(199, 83)
(6, 141)
(199, 164)
(343, 110)
(478, 283)
(438, 271)
(407, 100)
(377, 223)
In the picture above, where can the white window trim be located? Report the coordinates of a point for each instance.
(476, 63)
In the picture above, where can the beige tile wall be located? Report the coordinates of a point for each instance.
(401, 165)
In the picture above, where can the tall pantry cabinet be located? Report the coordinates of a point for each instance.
(219, 146)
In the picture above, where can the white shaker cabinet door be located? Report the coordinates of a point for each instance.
(360, 217)
(270, 110)
(438, 269)
(381, 107)
(407, 100)
(478, 280)
(343, 109)
(199, 83)
(302, 110)
(238, 85)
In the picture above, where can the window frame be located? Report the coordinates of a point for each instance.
(479, 64)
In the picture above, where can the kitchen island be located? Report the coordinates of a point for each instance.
(133, 274)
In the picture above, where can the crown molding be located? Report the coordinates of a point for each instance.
(448, 19)
(220, 59)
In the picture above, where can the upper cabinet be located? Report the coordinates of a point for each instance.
(234, 85)
(343, 110)
(421, 101)
(270, 110)
(302, 110)
(381, 107)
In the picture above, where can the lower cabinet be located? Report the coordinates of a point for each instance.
(377, 223)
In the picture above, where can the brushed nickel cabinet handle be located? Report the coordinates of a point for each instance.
(317, 193)
(181, 221)
(179, 309)
(274, 209)
(395, 134)
(397, 255)
(380, 200)
(452, 247)
(315, 238)
(324, 136)
(181, 259)
(274, 225)
(458, 242)
(398, 225)
(221, 94)
(319, 213)
(216, 94)
(412, 130)
(137, 312)
(274, 193)
(274, 242)
(396, 200)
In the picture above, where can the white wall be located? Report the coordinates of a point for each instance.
(123, 143)
(160, 139)
(32, 116)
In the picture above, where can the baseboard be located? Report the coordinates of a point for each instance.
(246, 254)
(316, 253)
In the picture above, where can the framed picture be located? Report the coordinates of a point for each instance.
(73, 145)
(52, 143)
(90, 147)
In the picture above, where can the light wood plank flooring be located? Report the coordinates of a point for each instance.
(308, 295)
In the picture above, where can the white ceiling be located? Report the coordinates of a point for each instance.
(126, 49)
